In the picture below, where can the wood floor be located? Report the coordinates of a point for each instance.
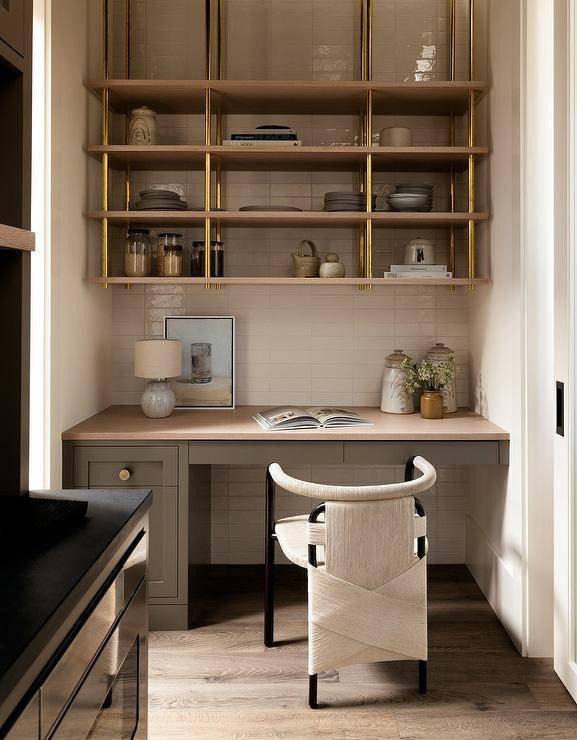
(219, 681)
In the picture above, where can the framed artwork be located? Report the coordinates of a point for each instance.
(208, 371)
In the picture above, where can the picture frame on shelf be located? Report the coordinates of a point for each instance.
(208, 361)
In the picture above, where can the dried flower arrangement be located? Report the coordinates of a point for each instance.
(429, 376)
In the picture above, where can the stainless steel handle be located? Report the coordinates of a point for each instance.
(125, 474)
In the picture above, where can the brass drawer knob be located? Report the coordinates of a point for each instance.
(125, 474)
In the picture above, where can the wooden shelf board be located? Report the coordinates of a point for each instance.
(286, 281)
(290, 96)
(233, 218)
(19, 239)
(293, 218)
(191, 156)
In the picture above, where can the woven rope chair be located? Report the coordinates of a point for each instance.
(367, 581)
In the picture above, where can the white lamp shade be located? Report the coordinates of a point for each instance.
(157, 358)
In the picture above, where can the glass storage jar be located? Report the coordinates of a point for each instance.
(170, 255)
(216, 259)
(137, 253)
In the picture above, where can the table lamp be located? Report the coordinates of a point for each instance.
(157, 360)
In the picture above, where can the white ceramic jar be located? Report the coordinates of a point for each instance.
(332, 267)
(420, 252)
(142, 128)
(439, 353)
(395, 398)
(396, 136)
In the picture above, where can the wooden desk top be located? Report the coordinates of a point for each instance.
(129, 423)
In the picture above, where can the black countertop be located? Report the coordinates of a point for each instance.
(40, 585)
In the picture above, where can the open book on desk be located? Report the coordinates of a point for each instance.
(289, 418)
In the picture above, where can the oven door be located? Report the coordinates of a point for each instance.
(111, 701)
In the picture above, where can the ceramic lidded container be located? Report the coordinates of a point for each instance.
(396, 399)
(142, 128)
(440, 353)
(332, 267)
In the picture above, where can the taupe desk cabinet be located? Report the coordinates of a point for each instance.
(120, 448)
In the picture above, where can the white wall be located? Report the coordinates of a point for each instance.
(81, 314)
(495, 521)
(510, 523)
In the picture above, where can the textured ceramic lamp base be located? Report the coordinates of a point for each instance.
(158, 399)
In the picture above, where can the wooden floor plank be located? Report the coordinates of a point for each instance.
(218, 681)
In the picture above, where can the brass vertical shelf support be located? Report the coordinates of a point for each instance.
(218, 173)
(452, 75)
(207, 184)
(128, 75)
(207, 142)
(471, 140)
(105, 139)
(369, 189)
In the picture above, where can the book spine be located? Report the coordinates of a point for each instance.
(418, 268)
(263, 137)
(263, 144)
(426, 275)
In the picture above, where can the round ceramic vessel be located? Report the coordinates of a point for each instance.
(158, 399)
(395, 398)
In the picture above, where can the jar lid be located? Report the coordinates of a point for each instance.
(139, 231)
(440, 351)
(214, 243)
(168, 234)
(420, 240)
(396, 359)
(176, 247)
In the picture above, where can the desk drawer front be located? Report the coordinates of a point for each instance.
(264, 453)
(103, 467)
(438, 453)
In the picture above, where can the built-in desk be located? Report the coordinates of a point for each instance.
(120, 448)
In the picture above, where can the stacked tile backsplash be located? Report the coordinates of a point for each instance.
(295, 344)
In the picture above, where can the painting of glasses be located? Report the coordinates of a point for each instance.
(207, 380)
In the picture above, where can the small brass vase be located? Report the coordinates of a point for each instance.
(432, 405)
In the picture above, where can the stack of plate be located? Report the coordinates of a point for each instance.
(160, 200)
(344, 201)
(408, 196)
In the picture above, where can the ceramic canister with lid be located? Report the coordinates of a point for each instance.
(396, 399)
(440, 353)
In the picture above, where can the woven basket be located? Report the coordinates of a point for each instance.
(305, 265)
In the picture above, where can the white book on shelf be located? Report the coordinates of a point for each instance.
(261, 144)
(413, 274)
(418, 268)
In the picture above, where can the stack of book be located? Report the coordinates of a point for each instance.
(421, 271)
(271, 135)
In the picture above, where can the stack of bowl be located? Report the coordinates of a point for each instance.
(408, 196)
(346, 201)
(160, 200)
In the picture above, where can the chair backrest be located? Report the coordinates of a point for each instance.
(370, 530)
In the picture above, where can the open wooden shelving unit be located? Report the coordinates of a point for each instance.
(365, 98)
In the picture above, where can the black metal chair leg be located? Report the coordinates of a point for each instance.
(313, 681)
(269, 594)
(269, 566)
(422, 677)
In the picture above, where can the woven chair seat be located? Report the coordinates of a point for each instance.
(292, 536)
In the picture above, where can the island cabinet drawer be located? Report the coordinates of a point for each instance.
(103, 467)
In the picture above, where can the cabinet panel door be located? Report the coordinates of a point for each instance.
(12, 24)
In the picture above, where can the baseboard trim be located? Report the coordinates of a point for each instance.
(493, 576)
